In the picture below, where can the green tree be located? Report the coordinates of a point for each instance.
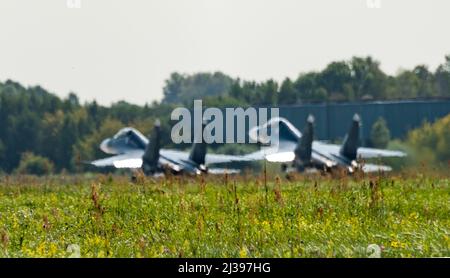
(407, 85)
(334, 79)
(426, 81)
(368, 80)
(320, 94)
(236, 90)
(288, 94)
(88, 148)
(432, 141)
(183, 89)
(267, 93)
(32, 164)
(380, 134)
(50, 135)
(306, 85)
(442, 78)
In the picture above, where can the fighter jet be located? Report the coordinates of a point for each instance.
(133, 150)
(303, 152)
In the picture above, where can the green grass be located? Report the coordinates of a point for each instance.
(225, 217)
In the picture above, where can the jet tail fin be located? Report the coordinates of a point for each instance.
(287, 131)
(151, 155)
(198, 151)
(304, 147)
(351, 142)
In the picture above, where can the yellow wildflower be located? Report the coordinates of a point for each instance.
(243, 252)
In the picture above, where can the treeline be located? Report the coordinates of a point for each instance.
(60, 134)
(358, 79)
(62, 130)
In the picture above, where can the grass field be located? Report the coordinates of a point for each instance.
(108, 216)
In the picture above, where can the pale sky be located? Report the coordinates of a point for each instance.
(112, 50)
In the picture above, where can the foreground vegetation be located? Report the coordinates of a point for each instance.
(106, 216)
